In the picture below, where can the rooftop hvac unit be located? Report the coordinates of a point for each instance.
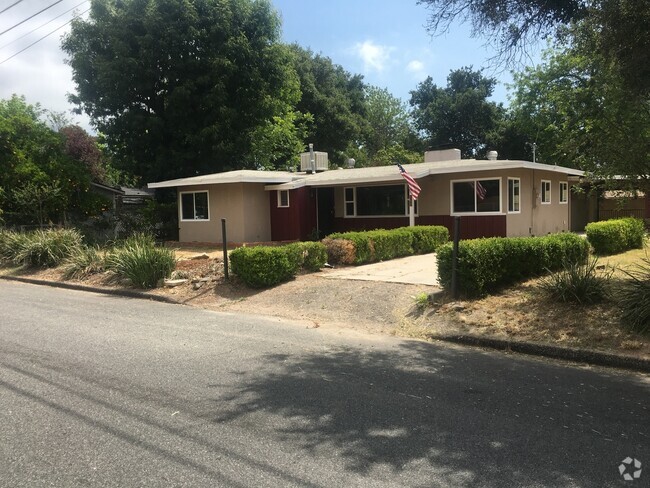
(320, 159)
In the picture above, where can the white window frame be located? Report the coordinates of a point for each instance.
(474, 180)
(180, 206)
(518, 210)
(280, 199)
(354, 201)
(545, 193)
(564, 191)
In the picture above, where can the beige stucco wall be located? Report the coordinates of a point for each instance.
(533, 219)
(245, 206)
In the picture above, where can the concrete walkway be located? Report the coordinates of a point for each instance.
(415, 270)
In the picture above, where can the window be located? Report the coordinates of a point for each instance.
(546, 191)
(476, 196)
(564, 192)
(283, 198)
(194, 205)
(349, 202)
(514, 195)
(374, 201)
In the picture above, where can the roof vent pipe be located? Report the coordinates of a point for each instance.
(312, 158)
(350, 163)
(492, 155)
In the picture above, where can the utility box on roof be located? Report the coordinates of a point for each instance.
(321, 161)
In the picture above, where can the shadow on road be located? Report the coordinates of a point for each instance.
(475, 419)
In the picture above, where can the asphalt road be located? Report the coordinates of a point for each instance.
(104, 391)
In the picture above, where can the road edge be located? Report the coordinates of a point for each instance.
(584, 356)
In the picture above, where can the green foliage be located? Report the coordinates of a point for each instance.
(485, 265)
(261, 267)
(180, 88)
(381, 245)
(578, 283)
(265, 266)
(46, 248)
(39, 201)
(458, 115)
(421, 300)
(311, 256)
(616, 235)
(85, 261)
(139, 260)
(633, 297)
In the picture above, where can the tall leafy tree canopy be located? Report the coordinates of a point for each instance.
(184, 87)
(458, 115)
(335, 99)
(512, 25)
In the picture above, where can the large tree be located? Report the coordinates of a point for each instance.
(458, 115)
(512, 25)
(577, 108)
(183, 87)
(335, 99)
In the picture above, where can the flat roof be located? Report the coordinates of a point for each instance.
(281, 180)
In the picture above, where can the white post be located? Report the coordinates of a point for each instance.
(411, 213)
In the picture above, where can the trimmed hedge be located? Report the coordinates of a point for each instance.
(265, 266)
(616, 235)
(382, 245)
(485, 265)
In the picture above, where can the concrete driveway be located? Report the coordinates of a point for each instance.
(414, 270)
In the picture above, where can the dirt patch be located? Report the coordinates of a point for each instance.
(521, 313)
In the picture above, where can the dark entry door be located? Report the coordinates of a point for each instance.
(325, 211)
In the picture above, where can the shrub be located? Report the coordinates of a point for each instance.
(579, 283)
(634, 297)
(87, 260)
(10, 243)
(427, 238)
(139, 260)
(314, 255)
(339, 251)
(616, 235)
(263, 266)
(485, 265)
(47, 248)
(381, 245)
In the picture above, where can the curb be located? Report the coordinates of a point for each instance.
(105, 291)
(586, 356)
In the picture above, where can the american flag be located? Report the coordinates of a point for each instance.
(481, 192)
(414, 188)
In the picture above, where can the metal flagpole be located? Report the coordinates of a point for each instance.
(411, 212)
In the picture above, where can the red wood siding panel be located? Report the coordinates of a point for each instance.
(647, 207)
(297, 221)
(471, 227)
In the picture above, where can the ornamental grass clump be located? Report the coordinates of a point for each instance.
(577, 283)
(86, 261)
(633, 297)
(45, 248)
(140, 261)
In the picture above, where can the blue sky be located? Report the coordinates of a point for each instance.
(385, 40)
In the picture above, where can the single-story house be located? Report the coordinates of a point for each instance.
(493, 197)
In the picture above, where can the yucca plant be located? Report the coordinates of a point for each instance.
(47, 248)
(633, 297)
(578, 283)
(141, 262)
(87, 260)
(10, 243)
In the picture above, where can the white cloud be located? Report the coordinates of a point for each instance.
(375, 57)
(417, 69)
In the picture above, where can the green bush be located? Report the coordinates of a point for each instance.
(87, 260)
(382, 245)
(485, 265)
(47, 248)
(634, 298)
(616, 235)
(427, 238)
(264, 266)
(579, 283)
(139, 260)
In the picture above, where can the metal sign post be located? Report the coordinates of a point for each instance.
(225, 248)
(454, 259)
